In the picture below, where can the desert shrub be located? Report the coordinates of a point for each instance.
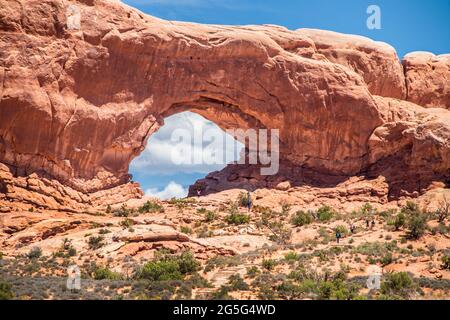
(285, 208)
(399, 221)
(126, 223)
(163, 270)
(34, 253)
(325, 287)
(197, 281)
(416, 220)
(417, 225)
(187, 263)
(236, 283)
(367, 210)
(399, 283)
(269, 264)
(376, 250)
(1, 255)
(336, 290)
(210, 216)
(443, 211)
(289, 290)
(222, 294)
(291, 256)
(446, 262)
(341, 229)
(186, 230)
(108, 209)
(181, 204)
(280, 233)
(123, 211)
(66, 250)
(253, 271)
(325, 213)
(387, 259)
(151, 207)
(104, 273)
(205, 233)
(301, 218)
(324, 235)
(6, 291)
(169, 267)
(104, 231)
(243, 199)
(96, 242)
(237, 218)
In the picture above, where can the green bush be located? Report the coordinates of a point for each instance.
(301, 218)
(237, 218)
(269, 264)
(105, 273)
(399, 221)
(387, 259)
(446, 262)
(325, 213)
(210, 216)
(186, 230)
(104, 231)
(291, 256)
(34, 253)
(96, 242)
(123, 211)
(161, 271)
(169, 267)
(236, 283)
(151, 207)
(66, 250)
(252, 271)
(342, 230)
(416, 220)
(399, 283)
(6, 291)
(187, 263)
(126, 223)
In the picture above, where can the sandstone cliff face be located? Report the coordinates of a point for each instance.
(428, 78)
(79, 99)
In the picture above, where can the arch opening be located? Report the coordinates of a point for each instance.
(185, 149)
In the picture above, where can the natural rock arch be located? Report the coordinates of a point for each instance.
(79, 105)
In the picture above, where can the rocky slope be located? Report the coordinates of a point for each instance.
(85, 83)
(269, 255)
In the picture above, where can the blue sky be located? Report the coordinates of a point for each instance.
(407, 25)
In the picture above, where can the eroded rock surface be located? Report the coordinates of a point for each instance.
(85, 83)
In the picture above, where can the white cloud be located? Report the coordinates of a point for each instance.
(163, 156)
(172, 190)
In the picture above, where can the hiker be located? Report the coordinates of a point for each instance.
(352, 228)
(199, 192)
(367, 223)
(249, 201)
(373, 224)
(338, 236)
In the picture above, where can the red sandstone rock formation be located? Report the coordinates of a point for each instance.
(79, 99)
